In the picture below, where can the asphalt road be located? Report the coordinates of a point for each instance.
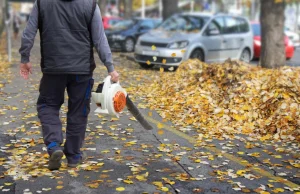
(295, 61)
(125, 158)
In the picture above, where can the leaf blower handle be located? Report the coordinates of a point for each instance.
(109, 78)
(114, 76)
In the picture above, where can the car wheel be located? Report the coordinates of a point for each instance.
(146, 66)
(246, 56)
(288, 59)
(197, 54)
(129, 45)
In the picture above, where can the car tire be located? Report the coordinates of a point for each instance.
(246, 56)
(129, 45)
(197, 54)
(146, 66)
(288, 59)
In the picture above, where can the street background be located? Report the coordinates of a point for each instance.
(244, 156)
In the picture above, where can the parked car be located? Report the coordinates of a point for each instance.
(289, 46)
(293, 36)
(210, 38)
(125, 33)
(109, 22)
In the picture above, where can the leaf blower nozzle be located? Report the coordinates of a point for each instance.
(111, 99)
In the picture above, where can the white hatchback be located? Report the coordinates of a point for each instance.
(210, 38)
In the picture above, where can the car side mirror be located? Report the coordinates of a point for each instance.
(213, 32)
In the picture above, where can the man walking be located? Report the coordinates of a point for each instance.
(69, 29)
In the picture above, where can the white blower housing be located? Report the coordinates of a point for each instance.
(111, 99)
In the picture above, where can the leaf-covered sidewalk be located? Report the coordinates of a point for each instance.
(124, 158)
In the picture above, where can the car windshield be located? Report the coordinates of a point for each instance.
(256, 29)
(125, 24)
(184, 23)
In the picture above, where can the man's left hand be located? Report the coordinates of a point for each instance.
(25, 69)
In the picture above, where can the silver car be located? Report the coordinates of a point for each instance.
(210, 38)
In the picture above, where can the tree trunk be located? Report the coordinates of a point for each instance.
(102, 5)
(272, 34)
(169, 8)
(128, 9)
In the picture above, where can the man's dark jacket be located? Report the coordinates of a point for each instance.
(66, 42)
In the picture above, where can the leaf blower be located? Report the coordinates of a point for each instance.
(111, 99)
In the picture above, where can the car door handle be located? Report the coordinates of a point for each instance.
(224, 41)
(242, 39)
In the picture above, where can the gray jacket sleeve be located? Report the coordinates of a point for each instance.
(29, 34)
(98, 35)
(100, 41)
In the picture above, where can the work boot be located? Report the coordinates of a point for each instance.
(76, 160)
(56, 155)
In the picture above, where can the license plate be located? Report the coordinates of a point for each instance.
(151, 53)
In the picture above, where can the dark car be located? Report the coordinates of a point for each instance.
(125, 33)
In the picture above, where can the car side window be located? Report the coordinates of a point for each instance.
(244, 26)
(219, 21)
(213, 26)
(217, 25)
(232, 25)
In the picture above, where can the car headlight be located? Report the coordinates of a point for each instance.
(257, 42)
(178, 45)
(118, 37)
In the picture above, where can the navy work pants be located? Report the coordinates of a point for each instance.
(52, 90)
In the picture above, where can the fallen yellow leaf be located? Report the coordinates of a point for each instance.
(59, 187)
(128, 181)
(160, 132)
(165, 189)
(120, 189)
(160, 126)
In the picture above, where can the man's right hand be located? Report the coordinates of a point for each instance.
(114, 76)
(25, 69)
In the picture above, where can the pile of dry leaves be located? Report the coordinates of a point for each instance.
(230, 98)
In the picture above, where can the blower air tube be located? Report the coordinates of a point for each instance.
(136, 113)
